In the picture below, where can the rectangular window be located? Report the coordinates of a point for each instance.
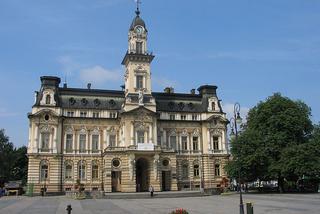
(69, 142)
(172, 117)
(70, 114)
(44, 173)
(45, 139)
(112, 140)
(194, 117)
(183, 117)
(184, 142)
(139, 47)
(95, 114)
(195, 143)
(215, 141)
(173, 142)
(159, 138)
(83, 114)
(95, 143)
(82, 143)
(217, 170)
(185, 171)
(139, 81)
(196, 171)
(95, 172)
(113, 115)
(140, 136)
(68, 172)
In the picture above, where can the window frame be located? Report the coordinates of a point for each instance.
(95, 143)
(82, 143)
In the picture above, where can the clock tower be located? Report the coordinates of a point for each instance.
(137, 67)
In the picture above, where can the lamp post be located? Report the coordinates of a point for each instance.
(234, 122)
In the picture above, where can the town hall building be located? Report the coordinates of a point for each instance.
(126, 140)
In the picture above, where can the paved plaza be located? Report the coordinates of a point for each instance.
(263, 204)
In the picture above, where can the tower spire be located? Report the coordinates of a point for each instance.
(138, 7)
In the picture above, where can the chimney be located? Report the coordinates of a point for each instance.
(89, 86)
(193, 91)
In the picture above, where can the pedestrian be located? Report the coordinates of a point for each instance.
(151, 190)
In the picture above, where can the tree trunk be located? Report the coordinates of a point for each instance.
(281, 184)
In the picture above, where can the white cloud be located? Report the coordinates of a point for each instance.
(5, 113)
(68, 65)
(98, 75)
(228, 108)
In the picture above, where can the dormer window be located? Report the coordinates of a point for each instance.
(213, 105)
(48, 99)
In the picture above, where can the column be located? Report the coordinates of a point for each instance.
(150, 133)
(209, 139)
(132, 134)
(36, 139)
(88, 146)
(54, 147)
(105, 139)
(164, 144)
(190, 143)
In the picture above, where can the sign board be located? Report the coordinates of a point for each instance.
(145, 146)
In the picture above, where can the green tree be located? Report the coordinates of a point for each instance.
(6, 157)
(276, 142)
(13, 161)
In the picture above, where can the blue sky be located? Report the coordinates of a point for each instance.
(249, 49)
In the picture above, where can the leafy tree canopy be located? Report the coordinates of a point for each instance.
(13, 161)
(277, 142)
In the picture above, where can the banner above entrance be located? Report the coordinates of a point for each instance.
(145, 146)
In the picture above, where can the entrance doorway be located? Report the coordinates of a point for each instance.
(166, 180)
(116, 181)
(142, 175)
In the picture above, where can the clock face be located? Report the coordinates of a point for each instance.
(139, 30)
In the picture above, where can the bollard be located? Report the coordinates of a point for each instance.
(249, 208)
(69, 208)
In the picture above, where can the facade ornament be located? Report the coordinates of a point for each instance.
(140, 97)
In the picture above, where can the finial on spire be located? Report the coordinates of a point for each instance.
(138, 7)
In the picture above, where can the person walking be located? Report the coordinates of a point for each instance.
(151, 190)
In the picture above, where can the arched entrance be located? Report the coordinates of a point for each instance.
(142, 175)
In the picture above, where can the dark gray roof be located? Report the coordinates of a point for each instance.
(177, 102)
(91, 98)
(79, 98)
(138, 21)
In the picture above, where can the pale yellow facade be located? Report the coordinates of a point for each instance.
(126, 141)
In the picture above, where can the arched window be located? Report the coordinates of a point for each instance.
(95, 170)
(213, 106)
(196, 171)
(68, 170)
(44, 170)
(69, 142)
(185, 171)
(217, 170)
(48, 99)
(82, 170)
(95, 143)
(82, 142)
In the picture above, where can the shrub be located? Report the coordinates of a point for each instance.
(179, 211)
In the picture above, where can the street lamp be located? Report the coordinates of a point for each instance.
(234, 122)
